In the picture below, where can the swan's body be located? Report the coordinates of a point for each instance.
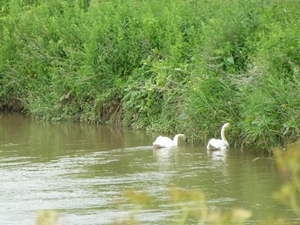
(219, 144)
(165, 142)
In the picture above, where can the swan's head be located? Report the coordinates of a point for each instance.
(183, 137)
(226, 125)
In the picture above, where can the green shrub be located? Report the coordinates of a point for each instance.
(270, 113)
(171, 66)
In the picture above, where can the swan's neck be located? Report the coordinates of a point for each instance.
(177, 136)
(223, 135)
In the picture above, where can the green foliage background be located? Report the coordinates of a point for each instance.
(171, 66)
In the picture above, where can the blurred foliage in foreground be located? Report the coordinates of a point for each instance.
(289, 164)
(47, 217)
(192, 206)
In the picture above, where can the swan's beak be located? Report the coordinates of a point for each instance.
(186, 140)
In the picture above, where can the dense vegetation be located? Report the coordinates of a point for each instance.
(169, 66)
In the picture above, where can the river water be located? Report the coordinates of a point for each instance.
(81, 171)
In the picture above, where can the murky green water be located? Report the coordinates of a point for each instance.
(82, 171)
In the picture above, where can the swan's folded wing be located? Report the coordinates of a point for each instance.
(163, 142)
(215, 144)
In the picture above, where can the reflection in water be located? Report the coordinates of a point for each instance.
(80, 170)
(166, 157)
(220, 167)
(218, 154)
(164, 154)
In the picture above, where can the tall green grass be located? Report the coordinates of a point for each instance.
(169, 66)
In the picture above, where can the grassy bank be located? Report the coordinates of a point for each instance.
(170, 66)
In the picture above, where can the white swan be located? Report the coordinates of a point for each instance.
(165, 142)
(219, 144)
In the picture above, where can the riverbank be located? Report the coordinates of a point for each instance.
(171, 66)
